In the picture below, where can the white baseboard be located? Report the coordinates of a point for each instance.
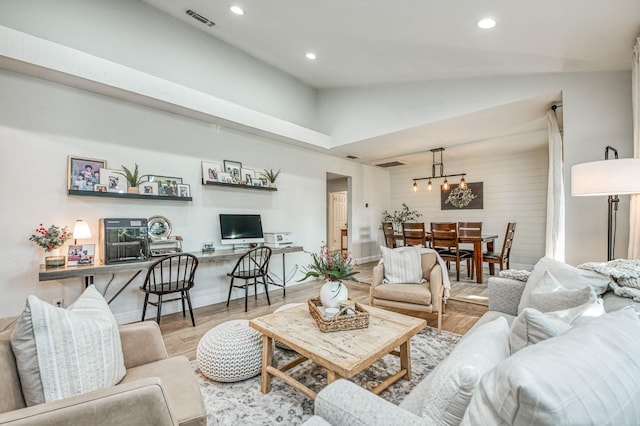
(368, 259)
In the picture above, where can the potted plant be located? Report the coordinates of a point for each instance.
(51, 239)
(133, 178)
(271, 176)
(400, 216)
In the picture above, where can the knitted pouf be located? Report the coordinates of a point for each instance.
(230, 352)
(282, 308)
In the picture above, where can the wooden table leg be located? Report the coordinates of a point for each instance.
(477, 254)
(490, 249)
(332, 376)
(267, 360)
(405, 358)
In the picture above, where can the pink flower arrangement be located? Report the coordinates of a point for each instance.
(51, 238)
(332, 266)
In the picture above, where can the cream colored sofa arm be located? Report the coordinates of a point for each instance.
(141, 402)
(142, 343)
(436, 286)
(376, 280)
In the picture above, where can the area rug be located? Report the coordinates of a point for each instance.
(243, 403)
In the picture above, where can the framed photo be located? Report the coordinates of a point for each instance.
(79, 255)
(114, 180)
(257, 182)
(148, 188)
(210, 172)
(233, 168)
(226, 178)
(248, 176)
(167, 185)
(99, 188)
(184, 190)
(462, 199)
(83, 173)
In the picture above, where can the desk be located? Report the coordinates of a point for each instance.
(88, 272)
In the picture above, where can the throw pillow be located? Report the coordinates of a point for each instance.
(532, 326)
(402, 265)
(571, 278)
(586, 376)
(451, 384)
(65, 352)
(549, 295)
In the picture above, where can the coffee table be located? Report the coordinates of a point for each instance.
(342, 353)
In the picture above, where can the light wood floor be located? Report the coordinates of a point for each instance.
(182, 339)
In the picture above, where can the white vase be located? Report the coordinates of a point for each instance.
(332, 292)
(53, 259)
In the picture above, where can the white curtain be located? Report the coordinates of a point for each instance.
(555, 192)
(634, 215)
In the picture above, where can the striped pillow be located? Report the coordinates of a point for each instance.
(65, 352)
(402, 265)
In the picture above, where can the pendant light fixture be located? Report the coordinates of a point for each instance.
(445, 183)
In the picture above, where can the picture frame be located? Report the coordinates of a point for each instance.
(225, 178)
(114, 180)
(148, 188)
(81, 254)
(456, 199)
(167, 185)
(184, 190)
(257, 182)
(234, 168)
(210, 171)
(84, 173)
(100, 188)
(248, 176)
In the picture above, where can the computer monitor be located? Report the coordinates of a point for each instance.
(241, 229)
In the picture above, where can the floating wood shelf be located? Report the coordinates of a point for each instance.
(235, 185)
(127, 195)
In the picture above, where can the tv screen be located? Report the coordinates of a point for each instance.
(241, 229)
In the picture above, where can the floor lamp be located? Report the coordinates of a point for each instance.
(611, 177)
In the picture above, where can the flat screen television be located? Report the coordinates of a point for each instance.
(241, 229)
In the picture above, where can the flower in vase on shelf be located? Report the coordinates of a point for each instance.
(50, 238)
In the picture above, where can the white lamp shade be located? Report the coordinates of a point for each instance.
(607, 177)
(81, 230)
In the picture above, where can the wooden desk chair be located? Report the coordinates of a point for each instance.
(389, 238)
(444, 239)
(470, 229)
(253, 265)
(413, 234)
(501, 258)
(174, 273)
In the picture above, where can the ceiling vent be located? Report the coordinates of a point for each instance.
(391, 164)
(352, 157)
(195, 15)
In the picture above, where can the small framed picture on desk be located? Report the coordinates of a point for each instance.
(81, 255)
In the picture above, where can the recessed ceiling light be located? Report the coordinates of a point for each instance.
(237, 10)
(311, 56)
(486, 23)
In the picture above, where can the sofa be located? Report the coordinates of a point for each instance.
(156, 389)
(524, 362)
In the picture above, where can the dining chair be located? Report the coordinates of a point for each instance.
(470, 229)
(502, 258)
(170, 274)
(389, 237)
(253, 265)
(413, 234)
(444, 239)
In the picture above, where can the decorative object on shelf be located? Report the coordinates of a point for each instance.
(208, 247)
(248, 176)
(234, 169)
(161, 242)
(271, 176)
(81, 255)
(134, 179)
(400, 216)
(184, 190)
(339, 321)
(84, 173)
(210, 172)
(445, 183)
(454, 198)
(167, 185)
(100, 188)
(51, 239)
(81, 230)
(114, 180)
(335, 267)
(148, 188)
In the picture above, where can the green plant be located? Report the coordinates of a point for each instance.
(270, 175)
(332, 266)
(51, 238)
(401, 216)
(133, 179)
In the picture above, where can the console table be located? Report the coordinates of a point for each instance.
(136, 268)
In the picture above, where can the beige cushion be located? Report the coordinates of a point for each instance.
(548, 295)
(65, 352)
(586, 376)
(532, 326)
(402, 265)
(416, 294)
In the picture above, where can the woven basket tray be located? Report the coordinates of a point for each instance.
(340, 321)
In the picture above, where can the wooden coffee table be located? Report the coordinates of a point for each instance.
(342, 353)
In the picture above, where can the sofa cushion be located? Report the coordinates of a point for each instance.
(548, 295)
(65, 352)
(445, 393)
(569, 276)
(533, 326)
(402, 265)
(587, 375)
(10, 391)
(416, 294)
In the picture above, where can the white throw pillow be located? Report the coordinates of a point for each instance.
(402, 265)
(533, 326)
(548, 295)
(451, 384)
(586, 376)
(65, 352)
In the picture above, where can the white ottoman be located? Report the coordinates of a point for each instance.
(282, 308)
(230, 352)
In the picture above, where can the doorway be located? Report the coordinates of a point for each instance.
(338, 213)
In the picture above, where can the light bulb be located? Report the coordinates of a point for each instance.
(415, 186)
(429, 186)
(462, 184)
(445, 185)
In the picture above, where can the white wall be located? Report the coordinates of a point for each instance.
(597, 113)
(43, 122)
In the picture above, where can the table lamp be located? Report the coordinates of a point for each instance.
(81, 230)
(611, 177)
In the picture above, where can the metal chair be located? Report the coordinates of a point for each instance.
(501, 258)
(174, 273)
(444, 239)
(414, 234)
(389, 237)
(253, 265)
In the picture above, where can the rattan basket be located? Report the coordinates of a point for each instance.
(341, 321)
